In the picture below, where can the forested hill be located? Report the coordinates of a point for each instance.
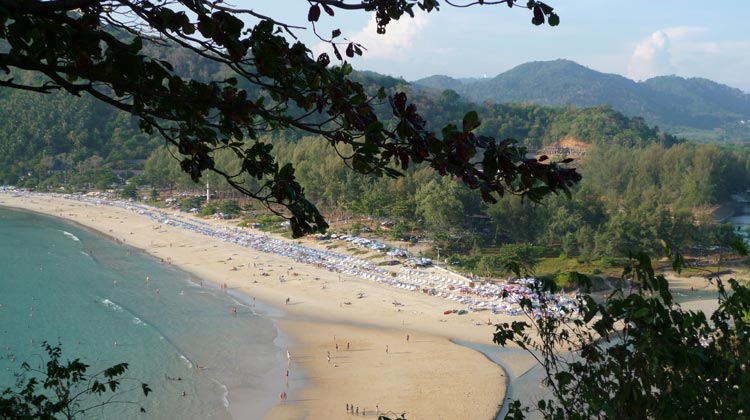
(64, 135)
(697, 108)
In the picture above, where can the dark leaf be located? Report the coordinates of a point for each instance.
(337, 53)
(470, 121)
(553, 19)
(313, 14)
(324, 60)
(538, 16)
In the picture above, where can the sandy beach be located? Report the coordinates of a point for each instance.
(426, 376)
(352, 341)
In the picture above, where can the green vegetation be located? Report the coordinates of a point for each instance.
(130, 191)
(230, 208)
(628, 198)
(633, 195)
(66, 390)
(192, 202)
(209, 209)
(638, 355)
(692, 108)
(274, 122)
(128, 55)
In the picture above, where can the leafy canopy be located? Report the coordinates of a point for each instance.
(638, 354)
(109, 50)
(65, 390)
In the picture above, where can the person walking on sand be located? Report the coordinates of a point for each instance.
(386, 349)
(407, 338)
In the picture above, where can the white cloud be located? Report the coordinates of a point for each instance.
(661, 52)
(680, 33)
(688, 52)
(397, 44)
(651, 57)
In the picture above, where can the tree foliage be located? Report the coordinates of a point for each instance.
(65, 390)
(638, 354)
(100, 48)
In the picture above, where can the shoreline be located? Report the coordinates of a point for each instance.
(423, 390)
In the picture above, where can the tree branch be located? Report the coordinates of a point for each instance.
(478, 3)
(341, 4)
(43, 7)
(45, 88)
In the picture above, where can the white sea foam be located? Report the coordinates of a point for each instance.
(109, 304)
(225, 394)
(189, 363)
(71, 236)
(138, 321)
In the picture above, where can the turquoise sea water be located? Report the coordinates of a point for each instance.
(68, 285)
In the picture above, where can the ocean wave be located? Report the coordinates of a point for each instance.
(117, 308)
(138, 321)
(225, 394)
(189, 363)
(109, 304)
(71, 236)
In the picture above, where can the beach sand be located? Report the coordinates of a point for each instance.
(427, 377)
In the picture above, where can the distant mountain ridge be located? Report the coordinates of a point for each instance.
(693, 107)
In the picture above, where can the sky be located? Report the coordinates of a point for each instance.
(638, 39)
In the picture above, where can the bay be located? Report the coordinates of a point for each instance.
(70, 286)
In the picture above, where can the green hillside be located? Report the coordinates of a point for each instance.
(695, 108)
(63, 137)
